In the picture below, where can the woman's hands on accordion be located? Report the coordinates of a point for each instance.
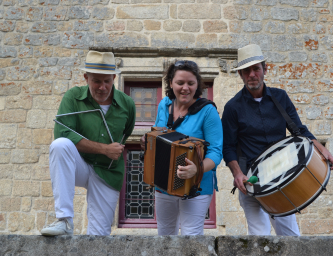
(188, 171)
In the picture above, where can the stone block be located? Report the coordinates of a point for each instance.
(8, 2)
(320, 99)
(258, 13)
(152, 25)
(46, 190)
(78, 203)
(311, 42)
(38, 87)
(22, 27)
(69, 62)
(233, 41)
(301, 99)
(199, 11)
(26, 204)
(44, 51)
(53, 73)
(61, 52)
(7, 25)
(41, 220)
(43, 204)
(24, 138)
(191, 26)
(60, 87)
(174, 40)
(19, 101)
(50, 116)
(14, 116)
(235, 223)
(115, 25)
(33, 39)
(34, 13)
(49, 2)
(170, 25)
(44, 27)
(264, 41)
(20, 156)
(313, 113)
(322, 127)
(211, 26)
(47, 62)
(6, 170)
(312, 227)
(14, 13)
(40, 172)
(173, 11)
(206, 41)
(88, 25)
(79, 12)
(81, 40)
(51, 39)
(158, 12)
(309, 15)
(242, 1)
(47, 102)
(13, 39)
(230, 12)
(8, 135)
(285, 14)
(36, 118)
(5, 185)
(328, 113)
(319, 3)
(22, 172)
(65, 25)
(235, 26)
(25, 52)
(18, 221)
(298, 28)
(250, 26)
(5, 155)
(229, 202)
(275, 27)
(179, 1)
(8, 52)
(10, 204)
(327, 42)
(20, 73)
(11, 88)
(103, 13)
(125, 39)
(319, 28)
(324, 85)
(94, 2)
(42, 136)
(55, 13)
(298, 86)
(298, 56)
(296, 3)
(134, 25)
(287, 43)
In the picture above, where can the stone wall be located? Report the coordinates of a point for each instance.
(43, 44)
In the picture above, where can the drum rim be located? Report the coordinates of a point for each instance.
(308, 202)
(299, 170)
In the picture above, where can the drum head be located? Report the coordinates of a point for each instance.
(279, 164)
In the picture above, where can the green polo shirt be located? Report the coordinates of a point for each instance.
(120, 119)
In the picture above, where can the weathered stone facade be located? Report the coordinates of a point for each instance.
(43, 44)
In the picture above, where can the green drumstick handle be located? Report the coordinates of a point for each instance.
(252, 179)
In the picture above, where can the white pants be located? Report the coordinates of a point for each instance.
(259, 222)
(68, 169)
(172, 211)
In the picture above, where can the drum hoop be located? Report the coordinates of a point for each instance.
(293, 176)
(308, 202)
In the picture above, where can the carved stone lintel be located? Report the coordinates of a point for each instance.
(223, 65)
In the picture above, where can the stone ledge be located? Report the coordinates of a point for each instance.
(164, 245)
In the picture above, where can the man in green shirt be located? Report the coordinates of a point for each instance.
(87, 150)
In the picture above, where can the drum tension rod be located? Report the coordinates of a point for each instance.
(324, 188)
(289, 200)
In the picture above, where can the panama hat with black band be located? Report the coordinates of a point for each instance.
(100, 63)
(249, 55)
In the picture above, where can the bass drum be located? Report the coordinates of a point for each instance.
(292, 173)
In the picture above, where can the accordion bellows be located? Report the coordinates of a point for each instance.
(164, 151)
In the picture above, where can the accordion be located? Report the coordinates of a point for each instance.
(165, 150)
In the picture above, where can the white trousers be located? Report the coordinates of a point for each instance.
(172, 211)
(259, 222)
(68, 169)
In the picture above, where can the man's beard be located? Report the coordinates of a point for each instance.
(253, 87)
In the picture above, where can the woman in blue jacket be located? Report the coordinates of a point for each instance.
(184, 87)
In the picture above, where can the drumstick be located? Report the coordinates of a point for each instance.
(252, 179)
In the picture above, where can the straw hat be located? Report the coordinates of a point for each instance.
(100, 63)
(248, 56)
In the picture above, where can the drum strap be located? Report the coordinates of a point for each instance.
(292, 127)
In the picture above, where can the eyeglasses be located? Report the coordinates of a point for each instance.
(186, 62)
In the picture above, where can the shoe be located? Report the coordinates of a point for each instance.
(58, 228)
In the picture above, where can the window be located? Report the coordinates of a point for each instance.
(137, 202)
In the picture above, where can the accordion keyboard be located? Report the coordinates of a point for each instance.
(180, 160)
